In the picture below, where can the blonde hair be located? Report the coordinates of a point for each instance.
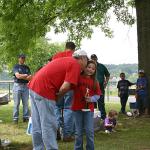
(112, 113)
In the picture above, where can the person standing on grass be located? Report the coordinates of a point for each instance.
(141, 93)
(64, 104)
(103, 77)
(86, 92)
(22, 75)
(123, 91)
(47, 86)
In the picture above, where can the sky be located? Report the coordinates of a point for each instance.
(121, 49)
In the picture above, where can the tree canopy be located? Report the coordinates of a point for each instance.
(22, 22)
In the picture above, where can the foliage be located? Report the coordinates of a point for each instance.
(24, 21)
(37, 55)
(129, 69)
(41, 53)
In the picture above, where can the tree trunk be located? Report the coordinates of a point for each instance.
(143, 34)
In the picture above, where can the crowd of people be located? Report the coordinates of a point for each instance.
(64, 93)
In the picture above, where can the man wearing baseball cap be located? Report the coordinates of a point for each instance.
(103, 78)
(142, 93)
(22, 75)
(49, 84)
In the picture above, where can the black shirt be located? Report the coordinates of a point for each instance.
(21, 69)
(123, 86)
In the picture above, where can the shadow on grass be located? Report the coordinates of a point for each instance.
(17, 146)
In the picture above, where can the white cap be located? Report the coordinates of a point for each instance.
(79, 53)
(141, 71)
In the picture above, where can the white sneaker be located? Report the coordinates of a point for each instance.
(106, 131)
(5, 142)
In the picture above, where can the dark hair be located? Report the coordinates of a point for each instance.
(70, 45)
(122, 73)
(93, 56)
(21, 56)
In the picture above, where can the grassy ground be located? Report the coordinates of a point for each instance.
(132, 133)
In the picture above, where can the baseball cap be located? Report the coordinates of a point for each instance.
(93, 56)
(78, 53)
(21, 56)
(141, 71)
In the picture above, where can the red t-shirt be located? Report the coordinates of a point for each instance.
(48, 80)
(80, 91)
(67, 53)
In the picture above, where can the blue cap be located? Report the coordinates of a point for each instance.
(21, 56)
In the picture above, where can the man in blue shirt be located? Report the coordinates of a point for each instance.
(141, 93)
(20, 90)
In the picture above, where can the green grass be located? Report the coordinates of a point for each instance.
(132, 133)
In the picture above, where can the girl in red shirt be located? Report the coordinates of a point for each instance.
(87, 92)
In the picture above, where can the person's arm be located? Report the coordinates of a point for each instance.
(107, 76)
(65, 87)
(29, 77)
(106, 81)
(21, 76)
(118, 89)
(130, 83)
(92, 99)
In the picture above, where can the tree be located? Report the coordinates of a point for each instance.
(39, 55)
(143, 33)
(24, 21)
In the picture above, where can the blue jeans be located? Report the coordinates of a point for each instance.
(44, 126)
(20, 91)
(84, 121)
(142, 103)
(123, 101)
(101, 106)
(65, 120)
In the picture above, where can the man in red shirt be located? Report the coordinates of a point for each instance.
(69, 50)
(49, 83)
(63, 110)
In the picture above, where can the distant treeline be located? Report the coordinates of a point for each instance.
(129, 69)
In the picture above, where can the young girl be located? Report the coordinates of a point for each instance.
(87, 92)
(110, 121)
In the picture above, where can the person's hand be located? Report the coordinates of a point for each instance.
(88, 99)
(105, 84)
(29, 77)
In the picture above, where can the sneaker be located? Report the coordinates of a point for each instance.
(15, 121)
(107, 131)
(5, 142)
